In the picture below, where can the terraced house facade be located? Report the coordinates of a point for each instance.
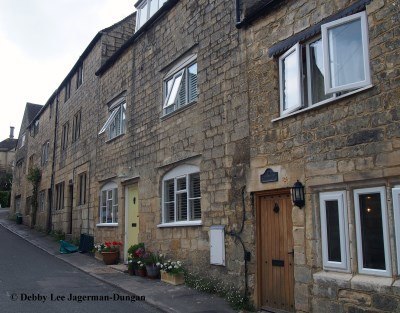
(186, 125)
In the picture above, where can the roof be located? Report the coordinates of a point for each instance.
(32, 110)
(306, 34)
(253, 9)
(111, 60)
(8, 144)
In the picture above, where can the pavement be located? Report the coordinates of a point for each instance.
(165, 297)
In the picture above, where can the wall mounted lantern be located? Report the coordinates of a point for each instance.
(298, 194)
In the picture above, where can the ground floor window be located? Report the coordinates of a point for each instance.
(60, 196)
(371, 230)
(109, 204)
(181, 195)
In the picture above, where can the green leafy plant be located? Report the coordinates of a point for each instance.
(133, 248)
(34, 176)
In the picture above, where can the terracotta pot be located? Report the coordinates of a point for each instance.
(131, 271)
(140, 272)
(110, 257)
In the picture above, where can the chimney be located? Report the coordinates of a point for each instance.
(12, 132)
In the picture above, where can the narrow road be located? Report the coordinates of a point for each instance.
(33, 281)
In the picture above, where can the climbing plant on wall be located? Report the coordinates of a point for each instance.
(34, 176)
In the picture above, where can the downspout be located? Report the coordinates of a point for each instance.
(237, 235)
(53, 167)
(238, 21)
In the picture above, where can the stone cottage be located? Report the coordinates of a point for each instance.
(187, 125)
(323, 81)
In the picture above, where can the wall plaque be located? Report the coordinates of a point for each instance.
(269, 176)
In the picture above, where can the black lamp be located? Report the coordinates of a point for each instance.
(298, 195)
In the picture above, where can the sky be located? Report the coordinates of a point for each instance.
(40, 41)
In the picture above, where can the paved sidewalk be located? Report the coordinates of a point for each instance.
(164, 296)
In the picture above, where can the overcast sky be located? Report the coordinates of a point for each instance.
(40, 41)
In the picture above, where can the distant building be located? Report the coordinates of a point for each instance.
(7, 152)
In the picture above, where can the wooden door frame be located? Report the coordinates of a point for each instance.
(257, 196)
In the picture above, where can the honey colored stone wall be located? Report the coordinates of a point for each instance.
(346, 144)
(211, 133)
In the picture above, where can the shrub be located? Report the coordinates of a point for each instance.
(5, 199)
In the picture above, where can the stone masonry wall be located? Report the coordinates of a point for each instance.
(211, 133)
(352, 142)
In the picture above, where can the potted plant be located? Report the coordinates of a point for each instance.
(153, 262)
(109, 250)
(134, 256)
(141, 269)
(172, 272)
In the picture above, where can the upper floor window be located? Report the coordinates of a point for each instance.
(180, 86)
(115, 124)
(326, 67)
(22, 141)
(64, 136)
(67, 90)
(109, 204)
(146, 9)
(35, 128)
(45, 152)
(76, 127)
(181, 197)
(79, 76)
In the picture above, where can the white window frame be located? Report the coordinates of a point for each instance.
(146, 14)
(340, 197)
(396, 213)
(117, 111)
(23, 138)
(180, 70)
(350, 89)
(325, 43)
(296, 51)
(42, 200)
(107, 188)
(175, 174)
(45, 152)
(382, 191)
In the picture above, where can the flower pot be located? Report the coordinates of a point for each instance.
(140, 272)
(153, 271)
(173, 279)
(131, 271)
(110, 257)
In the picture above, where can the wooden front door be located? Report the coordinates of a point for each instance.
(275, 251)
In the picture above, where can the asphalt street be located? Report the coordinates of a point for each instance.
(33, 281)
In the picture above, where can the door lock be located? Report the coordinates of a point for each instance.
(134, 200)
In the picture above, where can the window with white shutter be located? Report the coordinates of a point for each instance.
(180, 85)
(115, 124)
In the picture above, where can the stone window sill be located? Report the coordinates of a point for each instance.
(322, 103)
(357, 281)
(107, 225)
(180, 224)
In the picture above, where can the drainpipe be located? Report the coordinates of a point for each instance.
(238, 21)
(53, 167)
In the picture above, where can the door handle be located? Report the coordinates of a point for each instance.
(292, 252)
